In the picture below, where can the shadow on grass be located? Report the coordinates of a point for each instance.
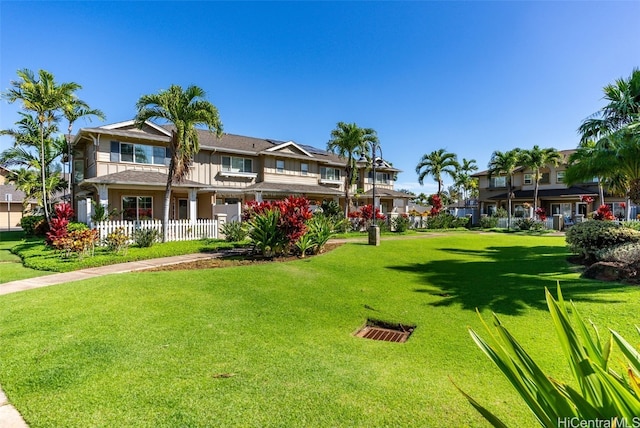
(505, 280)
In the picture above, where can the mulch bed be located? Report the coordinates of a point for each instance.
(235, 259)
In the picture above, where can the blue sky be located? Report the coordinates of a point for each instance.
(470, 77)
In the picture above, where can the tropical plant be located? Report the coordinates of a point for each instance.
(34, 225)
(604, 213)
(589, 237)
(234, 231)
(505, 163)
(436, 164)
(488, 222)
(117, 241)
(265, 234)
(146, 237)
(185, 109)
(102, 212)
(599, 394)
(305, 244)
(535, 159)
(436, 204)
(320, 229)
(349, 141)
(58, 225)
(463, 179)
(401, 223)
(587, 163)
(45, 98)
(616, 130)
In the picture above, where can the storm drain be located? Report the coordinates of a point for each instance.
(385, 331)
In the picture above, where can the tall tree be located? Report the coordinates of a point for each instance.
(185, 109)
(505, 163)
(616, 130)
(535, 159)
(463, 180)
(436, 164)
(44, 97)
(349, 141)
(587, 163)
(27, 154)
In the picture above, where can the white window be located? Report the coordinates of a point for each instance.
(279, 165)
(528, 179)
(139, 153)
(236, 164)
(381, 177)
(332, 174)
(499, 181)
(560, 177)
(304, 169)
(137, 208)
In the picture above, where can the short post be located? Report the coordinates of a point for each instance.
(374, 235)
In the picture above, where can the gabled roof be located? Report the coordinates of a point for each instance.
(9, 189)
(282, 146)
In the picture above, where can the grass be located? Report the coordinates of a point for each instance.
(11, 267)
(36, 255)
(273, 345)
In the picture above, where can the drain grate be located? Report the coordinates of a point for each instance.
(384, 331)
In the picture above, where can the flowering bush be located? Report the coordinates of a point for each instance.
(541, 213)
(58, 225)
(361, 218)
(604, 213)
(587, 199)
(401, 223)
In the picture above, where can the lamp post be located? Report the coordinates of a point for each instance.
(374, 229)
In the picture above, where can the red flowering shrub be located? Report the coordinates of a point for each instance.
(361, 218)
(587, 199)
(436, 203)
(541, 213)
(58, 225)
(604, 213)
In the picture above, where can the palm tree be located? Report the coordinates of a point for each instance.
(463, 178)
(435, 164)
(586, 163)
(26, 180)
(27, 154)
(505, 163)
(44, 97)
(185, 109)
(535, 159)
(73, 110)
(349, 141)
(616, 129)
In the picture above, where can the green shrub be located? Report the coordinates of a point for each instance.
(265, 233)
(501, 213)
(488, 222)
(529, 224)
(586, 238)
(332, 209)
(74, 225)
(320, 230)
(401, 223)
(635, 225)
(34, 225)
(117, 241)
(598, 394)
(146, 237)
(234, 231)
(624, 253)
(446, 221)
(305, 244)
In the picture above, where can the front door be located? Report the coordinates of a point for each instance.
(183, 210)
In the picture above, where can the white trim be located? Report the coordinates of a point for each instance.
(238, 174)
(132, 122)
(287, 144)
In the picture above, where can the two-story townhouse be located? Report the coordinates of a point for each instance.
(554, 196)
(12, 202)
(125, 168)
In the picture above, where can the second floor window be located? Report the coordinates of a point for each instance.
(544, 178)
(332, 174)
(139, 153)
(236, 164)
(528, 179)
(381, 177)
(304, 169)
(279, 165)
(560, 177)
(499, 181)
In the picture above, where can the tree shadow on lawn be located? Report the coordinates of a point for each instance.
(506, 280)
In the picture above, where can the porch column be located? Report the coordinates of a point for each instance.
(258, 196)
(193, 205)
(103, 196)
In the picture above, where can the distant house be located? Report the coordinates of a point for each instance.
(11, 203)
(554, 196)
(125, 168)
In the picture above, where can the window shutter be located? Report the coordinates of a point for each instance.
(115, 151)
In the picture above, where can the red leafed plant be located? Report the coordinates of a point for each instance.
(604, 213)
(436, 203)
(294, 212)
(58, 225)
(366, 213)
(587, 199)
(541, 213)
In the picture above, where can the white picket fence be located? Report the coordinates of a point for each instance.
(178, 230)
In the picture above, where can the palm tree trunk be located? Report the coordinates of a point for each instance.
(347, 200)
(43, 174)
(167, 202)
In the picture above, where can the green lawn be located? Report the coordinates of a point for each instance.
(11, 267)
(273, 345)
